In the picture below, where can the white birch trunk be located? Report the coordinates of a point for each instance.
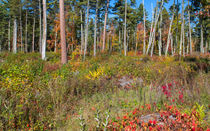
(15, 36)
(201, 45)
(56, 34)
(125, 29)
(86, 30)
(95, 28)
(169, 32)
(182, 30)
(26, 33)
(44, 31)
(160, 37)
(144, 46)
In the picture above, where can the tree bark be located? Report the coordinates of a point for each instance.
(95, 28)
(26, 33)
(144, 46)
(105, 20)
(44, 30)
(62, 33)
(125, 29)
(169, 32)
(33, 34)
(172, 43)
(21, 30)
(15, 37)
(86, 29)
(9, 45)
(182, 30)
(201, 44)
(40, 27)
(160, 37)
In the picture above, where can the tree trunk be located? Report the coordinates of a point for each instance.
(190, 34)
(105, 20)
(169, 32)
(160, 33)
(9, 45)
(151, 29)
(125, 29)
(62, 33)
(177, 26)
(33, 34)
(15, 36)
(201, 45)
(82, 33)
(44, 30)
(144, 46)
(86, 29)
(21, 30)
(26, 34)
(95, 28)
(182, 30)
(135, 35)
(40, 27)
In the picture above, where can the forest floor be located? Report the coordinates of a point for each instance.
(104, 93)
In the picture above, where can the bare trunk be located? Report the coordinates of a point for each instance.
(151, 29)
(26, 34)
(125, 29)
(9, 45)
(135, 35)
(182, 31)
(105, 20)
(144, 46)
(21, 30)
(86, 29)
(177, 28)
(152, 40)
(15, 36)
(40, 27)
(201, 45)
(95, 28)
(44, 31)
(82, 33)
(62, 33)
(169, 32)
(188, 43)
(33, 34)
(190, 35)
(160, 37)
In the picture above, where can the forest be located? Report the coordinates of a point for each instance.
(105, 65)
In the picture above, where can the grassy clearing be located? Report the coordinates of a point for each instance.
(43, 95)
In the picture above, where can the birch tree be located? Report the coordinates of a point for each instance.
(86, 28)
(169, 32)
(182, 31)
(95, 28)
(62, 33)
(144, 46)
(15, 36)
(105, 21)
(190, 34)
(44, 30)
(26, 33)
(125, 29)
